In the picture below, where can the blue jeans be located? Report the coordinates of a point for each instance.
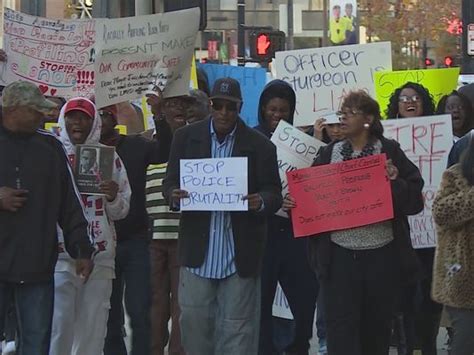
(34, 310)
(132, 269)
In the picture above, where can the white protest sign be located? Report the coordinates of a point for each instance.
(281, 307)
(215, 184)
(56, 55)
(426, 141)
(295, 150)
(321, 77)
(135, 54)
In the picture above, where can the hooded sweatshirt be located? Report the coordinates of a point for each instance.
(100, 212)
(278, 226)
(275, 88)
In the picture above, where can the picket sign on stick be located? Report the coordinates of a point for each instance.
(426, 141)
(321, 77)
(339, 196)
(439, 82)
(57, 55)
(136, 54)
(295, 150)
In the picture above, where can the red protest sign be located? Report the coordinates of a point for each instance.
(339, 196)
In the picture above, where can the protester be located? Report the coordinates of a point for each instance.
(453, 276)
(360, 268)
(37, 192)
(460, 109)
(220, 252)
(285, 256)
(199, 108)
(164, 225)
(421, 316)
(132, 260)
(328, 130)
(53, 116)
(81, 308)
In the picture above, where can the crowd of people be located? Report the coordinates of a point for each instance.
(72, 264)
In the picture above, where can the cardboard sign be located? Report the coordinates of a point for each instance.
(140, 53)
(340, 196)
(295, 150)
(439, 82)
(281, 307)
(321, 77)
(56, 55)
(426, 141)
(252, 81)
(215, 184)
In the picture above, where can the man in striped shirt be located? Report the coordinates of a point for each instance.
(220, 253)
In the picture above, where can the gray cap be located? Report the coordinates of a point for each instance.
(24, 93)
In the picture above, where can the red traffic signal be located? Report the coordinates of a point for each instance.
(448, 61)
(429, 62)
(263, 44)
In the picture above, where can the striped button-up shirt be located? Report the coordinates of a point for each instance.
(220, 257)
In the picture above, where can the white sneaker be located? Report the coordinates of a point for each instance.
(9, 348)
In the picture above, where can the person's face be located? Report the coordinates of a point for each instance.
(54, 114)
(455, 107)
(409, 104)
(175, 111)
(352, 122)
(349, 11)
(78, 126)
(108, 123)
(154, 102)
(224, 115)
(336, 12)
(87, 160)
(197, 111)
(334, 131)
(28, 119)
(275, 110)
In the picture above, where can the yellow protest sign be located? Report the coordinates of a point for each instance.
(122, 129)
(194, 78)
(439, 82)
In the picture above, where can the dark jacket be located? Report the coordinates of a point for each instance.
(249, 228)
(28, 238)
(456, 151)
(137, 153)
(278, 227)
(407, 200)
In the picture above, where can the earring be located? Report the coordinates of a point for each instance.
(366, 125)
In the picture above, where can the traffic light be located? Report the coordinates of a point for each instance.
(448, 61)
(429, 62)
(264, 44)
(175, 5)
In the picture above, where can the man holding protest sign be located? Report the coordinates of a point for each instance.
(221, 252)
(360, 267)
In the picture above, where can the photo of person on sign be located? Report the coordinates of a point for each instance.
(342, 27)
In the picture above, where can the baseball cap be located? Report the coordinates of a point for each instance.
(227, 89)
(24, 93)
(80, 105)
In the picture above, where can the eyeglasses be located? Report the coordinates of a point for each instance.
(405, 98)
(229, 105)
(348, 113)
(103, 113)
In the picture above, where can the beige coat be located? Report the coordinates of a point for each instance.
(453, 211)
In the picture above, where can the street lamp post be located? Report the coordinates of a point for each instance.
(241, 32)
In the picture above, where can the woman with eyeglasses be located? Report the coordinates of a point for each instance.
(410, 100)
(460, 109)
(360, 268)
(418, 318)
